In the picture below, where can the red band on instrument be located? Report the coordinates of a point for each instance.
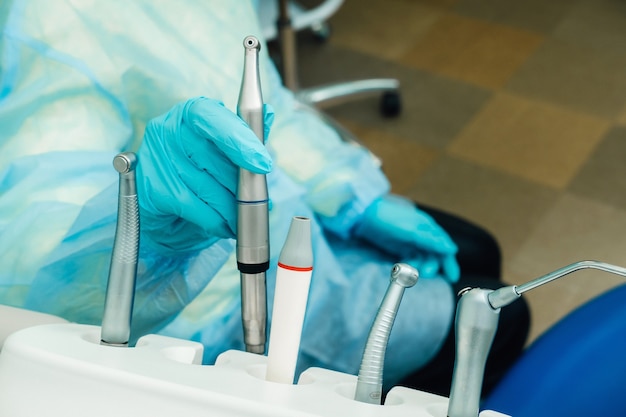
(295, 268)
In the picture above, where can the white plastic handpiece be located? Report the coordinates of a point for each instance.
(293, 279)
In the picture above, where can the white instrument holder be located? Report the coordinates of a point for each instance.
(62, 370)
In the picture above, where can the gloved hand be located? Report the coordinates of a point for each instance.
(187, 173)
(397, 226)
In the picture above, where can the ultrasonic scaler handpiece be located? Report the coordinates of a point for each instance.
(291, 293)
(120, 293)
(252, 211)
(369, 386)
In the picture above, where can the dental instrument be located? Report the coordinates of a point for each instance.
(370, 380)
(120, 293)
(476, 322)
(475, 328)
(293, 279)
(252, 211)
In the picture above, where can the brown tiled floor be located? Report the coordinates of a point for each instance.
(477, 52)
(514, 117)
(529, 139)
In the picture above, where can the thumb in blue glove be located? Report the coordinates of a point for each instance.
(397, 226)
(187, 173)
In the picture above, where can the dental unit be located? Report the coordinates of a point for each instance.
(476, 323)
(120, 293)
(252, 211)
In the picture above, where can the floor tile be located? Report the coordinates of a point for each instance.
(403, 161)
(529, 139)
(471, 50)
(536, 15)
(505, 205)
(574, 76)
(621, 118)
(441, 4)
(386, 29)
(599, 24)
(574, 229)
(434, 109)
(603, 177)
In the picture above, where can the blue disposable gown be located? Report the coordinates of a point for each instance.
(79, 82)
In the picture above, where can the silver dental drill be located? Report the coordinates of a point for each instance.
(120, 294)
(252, 211)
(476, 322)
(369, 386)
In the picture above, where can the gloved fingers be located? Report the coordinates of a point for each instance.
(174, 234)
(450, 268)
(208, 160)
(396, 225)
(429, 235)
(417, 227)
(171, 189)
(203, 203)
(212, 121)
(427, 264)
(268, 119)
(209, 204)
(430, 265)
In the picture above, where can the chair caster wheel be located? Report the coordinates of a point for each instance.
(390, 104)
(321, 31)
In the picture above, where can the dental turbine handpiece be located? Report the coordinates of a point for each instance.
(252, 211)
(370, 380)
(118, 304)
(475, 327)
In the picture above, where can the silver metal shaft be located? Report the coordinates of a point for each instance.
(252, 211)
(475, 327)
(369, 386)
(120, 294)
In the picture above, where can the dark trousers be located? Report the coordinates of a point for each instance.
(480, 261)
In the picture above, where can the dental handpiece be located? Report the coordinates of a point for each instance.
(293, 280)
(369, 386)
(252, 212)
(476, 323)
(475, 327)
(120, 293)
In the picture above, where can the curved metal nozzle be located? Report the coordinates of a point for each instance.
(369, 386)
(506, 295)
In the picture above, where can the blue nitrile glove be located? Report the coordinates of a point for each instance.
(398, 227)
(187, 173)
